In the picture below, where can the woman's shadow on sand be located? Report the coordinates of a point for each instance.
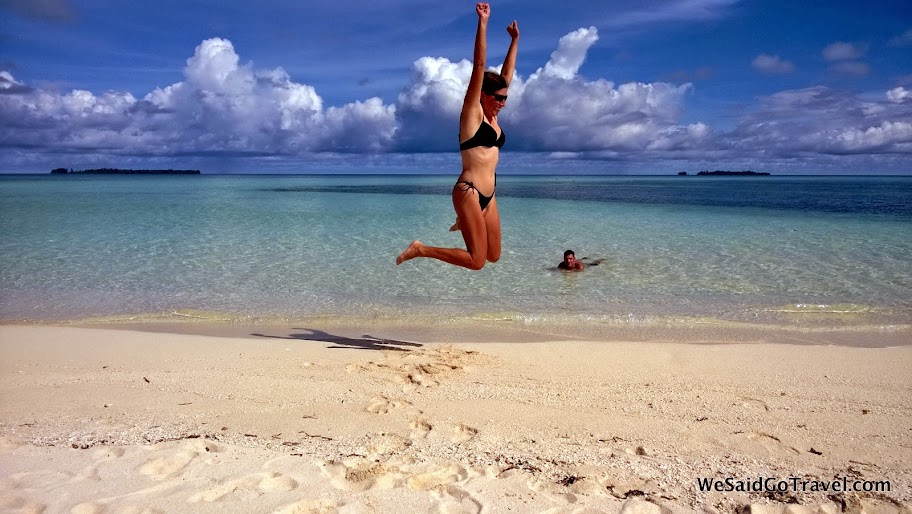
(366, 342)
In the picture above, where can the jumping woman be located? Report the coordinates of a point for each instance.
(480, 140)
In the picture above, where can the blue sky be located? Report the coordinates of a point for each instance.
(625, 86)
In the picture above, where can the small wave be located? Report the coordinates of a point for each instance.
(840, 308)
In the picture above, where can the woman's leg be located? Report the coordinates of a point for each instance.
(472, 224)
(492, 228)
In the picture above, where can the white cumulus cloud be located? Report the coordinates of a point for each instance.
(221, 107)
(772, 64)
(888, 133)
(7, 81)
(561, 111)
(821, 120)
(842, 51)
(899, 94)
(570, 54)
(846, 58)
(428, 107)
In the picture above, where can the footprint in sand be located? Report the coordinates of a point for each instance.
(387, 444)
(383, 405)
(748, 402)
(106, 453)
(420, 376)
(167, 467)
(99, 456)
(420, 429)
(359, 474)
(553, 491)
(276, 482)
(422, 368)
(218, 492)
(87, 473)
(41, 480)
(455, 500)
(248, 487)
(444, 476)
(10, 503)
(462, 433)
(172, 465)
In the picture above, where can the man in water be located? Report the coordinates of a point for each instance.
(570, 263)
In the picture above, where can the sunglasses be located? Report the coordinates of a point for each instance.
(499, 98)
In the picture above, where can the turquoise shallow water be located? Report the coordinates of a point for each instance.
(832, 250)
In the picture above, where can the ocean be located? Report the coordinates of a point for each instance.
(813, 251)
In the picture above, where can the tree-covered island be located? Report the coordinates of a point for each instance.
(117, 171)
(734, 173)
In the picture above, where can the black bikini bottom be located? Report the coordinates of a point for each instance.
(483, 200)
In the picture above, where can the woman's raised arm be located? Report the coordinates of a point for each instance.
(509, 64)
(473, 93)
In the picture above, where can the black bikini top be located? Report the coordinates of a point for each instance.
(485, 136)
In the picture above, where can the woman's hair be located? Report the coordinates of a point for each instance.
(492, 82)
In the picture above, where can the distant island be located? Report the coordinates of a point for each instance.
(737, 173)
(727, 173)
(116, 171)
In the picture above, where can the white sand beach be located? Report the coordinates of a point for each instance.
(99, 420)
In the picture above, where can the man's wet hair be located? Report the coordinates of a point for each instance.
(569, 252)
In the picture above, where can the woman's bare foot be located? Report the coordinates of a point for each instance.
(455, 227)
(411, 252)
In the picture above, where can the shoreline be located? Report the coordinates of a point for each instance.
(250, 423)
(507, 327)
